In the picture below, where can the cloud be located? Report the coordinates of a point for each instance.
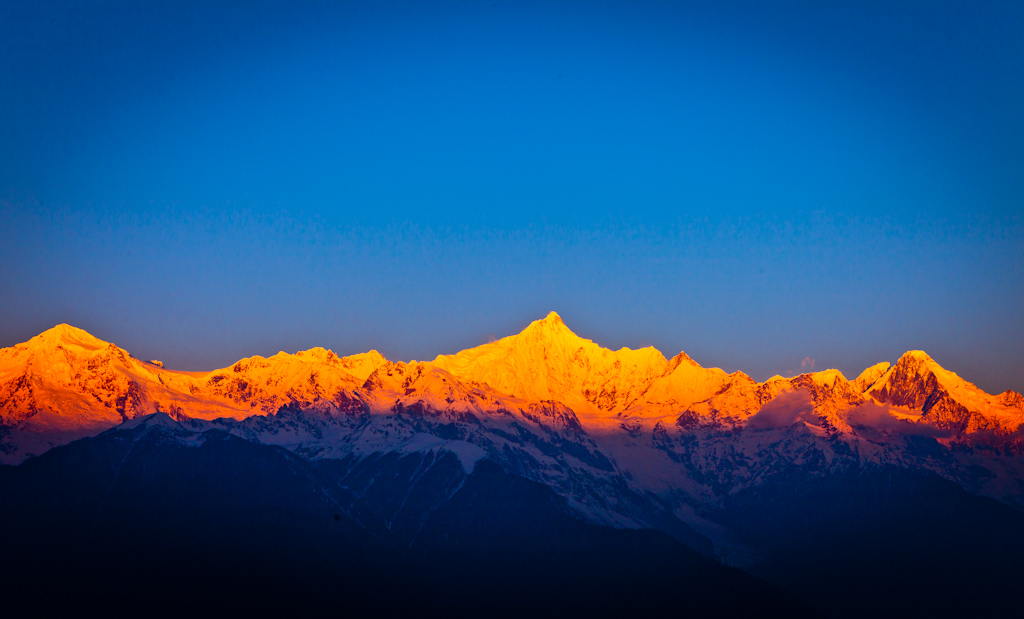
(987, 437)
(876, 416)
(807, 364)
(784, 410)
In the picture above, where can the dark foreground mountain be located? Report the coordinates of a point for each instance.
(884, 541)
(161, 517)
(150, 520)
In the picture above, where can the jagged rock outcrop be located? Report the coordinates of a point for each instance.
(943, 399)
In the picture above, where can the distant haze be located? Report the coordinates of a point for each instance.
(772, 188)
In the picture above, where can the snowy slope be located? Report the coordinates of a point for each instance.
(627, 437)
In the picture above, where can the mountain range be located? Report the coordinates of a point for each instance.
(790, 483)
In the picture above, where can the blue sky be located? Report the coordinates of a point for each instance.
(753, 183)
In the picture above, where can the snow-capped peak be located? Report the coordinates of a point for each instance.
(66, 335)
(916, 354)
(948, 401)
(552, 317)
(547, 361)
(871, 375)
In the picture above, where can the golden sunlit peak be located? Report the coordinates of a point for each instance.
(552, 320)
(65, 330)
(319, 353)
(548, 327)
(919, 355)
(553, 317)
(871, 375)
(682, 357)
(67, 334)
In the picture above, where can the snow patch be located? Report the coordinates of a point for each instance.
(467, 453)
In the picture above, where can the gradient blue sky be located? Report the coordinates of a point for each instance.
(754, 183)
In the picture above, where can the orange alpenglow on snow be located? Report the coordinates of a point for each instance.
(65, 383)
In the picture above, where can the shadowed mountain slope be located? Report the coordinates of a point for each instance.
(154, 514)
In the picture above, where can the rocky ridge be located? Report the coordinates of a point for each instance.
(628, 437)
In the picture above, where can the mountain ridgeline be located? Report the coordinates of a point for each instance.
(538, 473)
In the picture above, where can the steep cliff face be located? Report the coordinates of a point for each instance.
(870, 376)
(943, 399)
(1011, 399)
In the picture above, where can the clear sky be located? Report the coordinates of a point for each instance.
(758, 184)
